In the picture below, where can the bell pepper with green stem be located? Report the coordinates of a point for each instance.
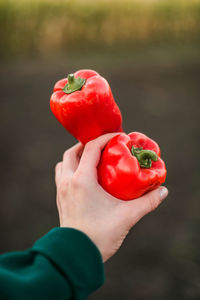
(130, 166)
(83, 103)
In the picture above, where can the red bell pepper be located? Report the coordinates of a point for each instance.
(83, 103)
(130, 165)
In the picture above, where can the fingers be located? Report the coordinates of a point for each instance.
(138, 208)
(92, 152)
(71, 159)
(69, 164)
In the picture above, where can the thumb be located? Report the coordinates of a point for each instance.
(138, 208)
(92, 153)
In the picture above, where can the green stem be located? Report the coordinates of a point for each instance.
(74, 84)
(144, 157)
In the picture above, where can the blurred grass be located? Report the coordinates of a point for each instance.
(38, 27)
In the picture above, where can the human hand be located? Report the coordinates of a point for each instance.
(84, 205)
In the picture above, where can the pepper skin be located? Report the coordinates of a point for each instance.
(130, 166)
(83, 103)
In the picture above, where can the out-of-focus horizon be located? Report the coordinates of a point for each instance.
(45, 28)
(149, 51)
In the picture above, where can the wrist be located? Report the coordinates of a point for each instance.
(91, 237)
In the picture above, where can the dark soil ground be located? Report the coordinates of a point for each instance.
(160, 259)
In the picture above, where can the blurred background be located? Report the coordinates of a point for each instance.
(149, 51)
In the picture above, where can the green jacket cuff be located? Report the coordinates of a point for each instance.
(76, 257)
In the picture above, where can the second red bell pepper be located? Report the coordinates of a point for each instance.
(83, 103)
(130, 166)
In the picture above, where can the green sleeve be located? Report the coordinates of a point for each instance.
(63, 264)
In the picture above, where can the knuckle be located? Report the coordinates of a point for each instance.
(76, 180)
(65, 154)
(57, 166)
(63, 188)
(89, 145)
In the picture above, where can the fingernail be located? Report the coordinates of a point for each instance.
(163, 193)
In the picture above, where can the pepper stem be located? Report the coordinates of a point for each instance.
(73, 84)
(144, 157)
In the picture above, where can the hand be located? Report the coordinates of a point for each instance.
(84, 205)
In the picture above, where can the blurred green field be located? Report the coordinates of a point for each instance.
(38, 27)
(149, 51)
